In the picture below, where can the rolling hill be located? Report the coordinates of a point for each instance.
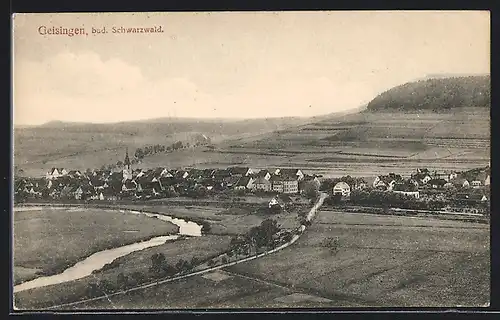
(441, 124)
(90, 145)
(401, 129)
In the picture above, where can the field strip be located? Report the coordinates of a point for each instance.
(293, 288)
(402, 225)
(310, 215)
(299, 289)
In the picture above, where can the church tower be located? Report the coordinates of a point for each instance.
(127, 173)
(126, 162)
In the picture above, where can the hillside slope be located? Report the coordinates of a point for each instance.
(86, 145)
(436, 123)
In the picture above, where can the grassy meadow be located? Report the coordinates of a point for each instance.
(380, 261)
(202, 248)
(51, 240)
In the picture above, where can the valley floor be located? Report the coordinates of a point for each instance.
(380, 261)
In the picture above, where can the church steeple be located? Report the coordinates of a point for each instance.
(126, 162)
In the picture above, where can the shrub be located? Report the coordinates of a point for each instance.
(206, 227)
(182, 266)
(211, 262)
(157, 262)
(194, 261)
(93, 290)
(224, 260)
(122, 281)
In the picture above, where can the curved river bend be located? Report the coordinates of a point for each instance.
(97, 260)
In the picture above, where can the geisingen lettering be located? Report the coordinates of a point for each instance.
(55, 31)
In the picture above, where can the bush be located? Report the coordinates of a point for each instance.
(122, 281)
(194, 262)
(211, 262)
(93, 290)
(182, 266)
(157, 262)
(206, 227)
(224, 260)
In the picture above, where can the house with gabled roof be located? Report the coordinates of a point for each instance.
(460, 182)
(262, 184)
(181, 174)
(244, 183)
(108, 195)
(297, 173)
(276, 201)
(55, 173)
(406, 188)
(148, 187)
(436, 183)
(387, 182)
(264, 173)
(129, 185)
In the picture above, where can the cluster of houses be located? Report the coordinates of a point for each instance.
(470, 185)
(60, 183)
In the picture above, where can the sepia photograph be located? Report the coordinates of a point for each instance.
(250, 160)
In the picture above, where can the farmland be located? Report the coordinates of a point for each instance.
(367, 143)
(38, 236)
(379, 261)
(86, 145)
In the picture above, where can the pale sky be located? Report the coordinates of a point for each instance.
(233, 64)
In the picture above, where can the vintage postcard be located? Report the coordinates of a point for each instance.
(199, 160)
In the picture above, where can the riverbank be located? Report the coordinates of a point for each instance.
(25, 299)
(136, 264)
(190, 278)
(52, 240)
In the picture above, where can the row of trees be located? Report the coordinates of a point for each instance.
(159, 268)
(383, 199)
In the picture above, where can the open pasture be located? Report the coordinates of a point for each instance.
(385, 261)
(51, 240)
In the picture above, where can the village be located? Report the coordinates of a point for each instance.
(460, 190)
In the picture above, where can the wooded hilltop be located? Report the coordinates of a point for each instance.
(435, 94)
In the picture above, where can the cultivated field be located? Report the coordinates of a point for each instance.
(379, 261)
(372, 142)
(50, 240)
(367, 141)
(81, 146)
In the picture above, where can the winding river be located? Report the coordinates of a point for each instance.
(97, 260)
